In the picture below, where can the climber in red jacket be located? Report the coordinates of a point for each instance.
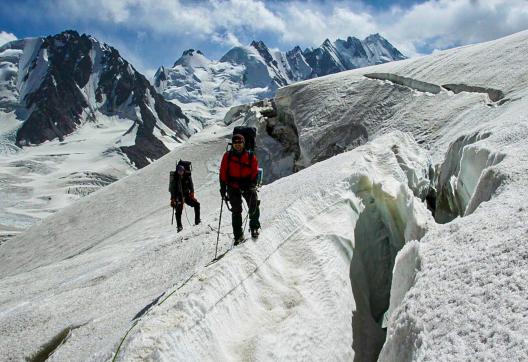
(238, 178)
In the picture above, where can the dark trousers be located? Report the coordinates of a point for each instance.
(235, 198)
(191, 202)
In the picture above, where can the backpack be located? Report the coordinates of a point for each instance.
(187, 165)
(250, 135)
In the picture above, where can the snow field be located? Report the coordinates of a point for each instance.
(287, 296)
(97, 263)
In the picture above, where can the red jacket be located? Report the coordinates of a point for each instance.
(239, 171)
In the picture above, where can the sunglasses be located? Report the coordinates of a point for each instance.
(238, 142)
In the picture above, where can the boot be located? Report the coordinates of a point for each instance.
(180, 228)
(255, 233)
(238, 233)
(197, 215)
(239, 239)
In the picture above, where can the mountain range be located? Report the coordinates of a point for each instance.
(249, 73)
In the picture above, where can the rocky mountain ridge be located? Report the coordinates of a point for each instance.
(56, 84)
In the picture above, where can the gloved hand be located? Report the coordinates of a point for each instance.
(173, 202)
(223, 191)
(224, 195)
(191, 196)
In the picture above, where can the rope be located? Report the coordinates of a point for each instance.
(187, 217)
(188, 279)
(137, 320)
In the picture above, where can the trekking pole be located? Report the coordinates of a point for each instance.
(173, 212)
(219, 222)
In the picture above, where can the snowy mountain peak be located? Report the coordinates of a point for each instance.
(258, 44)
(352, 46)
(191, 52)
(263, 50)
(352, 40)
(66, 80)
(381, 49)
(192, 58)
(374, 36)
(297, 49)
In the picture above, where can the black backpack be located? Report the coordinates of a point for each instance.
(250, 135)
(187, 165)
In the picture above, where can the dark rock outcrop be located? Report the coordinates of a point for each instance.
(71, 77)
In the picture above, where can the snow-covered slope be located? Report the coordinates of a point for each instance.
(347, 245)
(115, 251)
(249, 73)
(74, 116)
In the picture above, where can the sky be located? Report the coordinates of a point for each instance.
(151, 33)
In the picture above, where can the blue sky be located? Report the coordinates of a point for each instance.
(150, 33)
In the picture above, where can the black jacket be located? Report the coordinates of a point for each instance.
(181, 186)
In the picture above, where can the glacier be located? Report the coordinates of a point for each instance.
(405, 240)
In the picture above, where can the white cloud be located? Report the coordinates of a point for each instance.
(433, 24)
(311, 26)
(174, 17)
(447, 23)
(251, 14)
(6, 37)
(114, 11)
(228, 39)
